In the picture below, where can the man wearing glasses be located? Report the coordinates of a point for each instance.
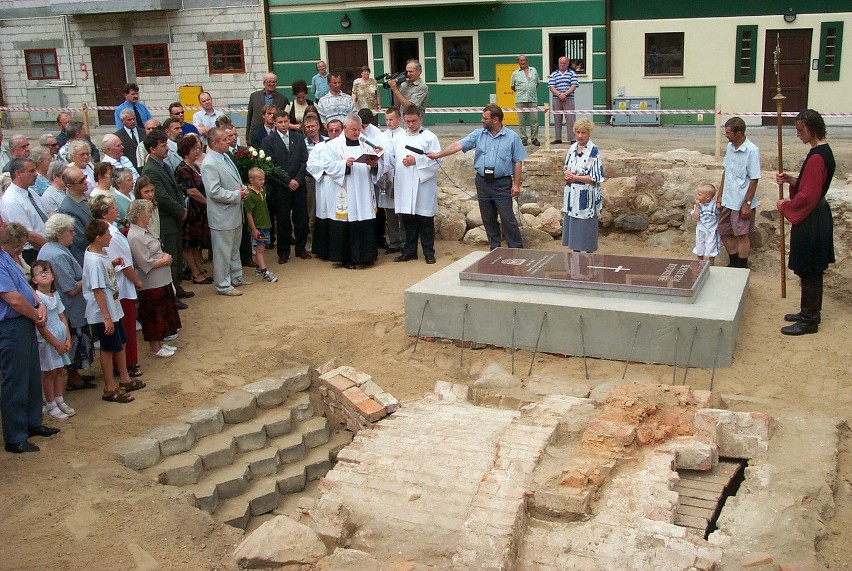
(48, 141)
(21, 205)
(176, 112)
(76, 206)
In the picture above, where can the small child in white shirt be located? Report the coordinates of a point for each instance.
(707, 218)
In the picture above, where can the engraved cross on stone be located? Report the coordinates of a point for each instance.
(616, 269)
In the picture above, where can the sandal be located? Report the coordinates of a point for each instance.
(133, 385)
(81, 387)
(117, 396)
(134, 371)
(205, 281)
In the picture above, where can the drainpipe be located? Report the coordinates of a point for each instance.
(608, 35)
(66, 43)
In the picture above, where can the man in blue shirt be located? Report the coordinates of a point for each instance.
(131, 101)
(498, 160)
(20, 314)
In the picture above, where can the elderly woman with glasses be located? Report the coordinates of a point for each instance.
(80, 154)
(68, 279)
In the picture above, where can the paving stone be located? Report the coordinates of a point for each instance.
(317, 464)
(291, 447)
(173, 438)
(300, 406)
(314, 431)
(231, 481)
(269, 391)
(234, 512)
(263, 462)
(291, 479)
(216, 451)
(248, 436)
(204, 422)
(181, 470)
(296, 378)
(277, 421)
(137, 453)
(206, 496)
(262, 496)
(237, 406)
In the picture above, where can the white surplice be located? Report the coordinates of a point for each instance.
(416, 187)
(354, 198)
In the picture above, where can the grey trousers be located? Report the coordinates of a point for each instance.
(227, 267)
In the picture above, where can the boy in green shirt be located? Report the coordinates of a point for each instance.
(257, 215)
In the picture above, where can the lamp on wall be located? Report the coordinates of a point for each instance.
(345, 22)
(790, 16)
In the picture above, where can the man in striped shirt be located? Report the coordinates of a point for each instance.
(562, 84)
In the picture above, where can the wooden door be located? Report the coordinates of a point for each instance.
(346, 58)
(794, 69)
(110, 77)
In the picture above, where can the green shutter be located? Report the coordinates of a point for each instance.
(829, 51)
(744, 66)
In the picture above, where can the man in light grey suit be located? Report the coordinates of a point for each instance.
(225, 194)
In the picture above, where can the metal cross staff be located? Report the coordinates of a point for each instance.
(779, 99)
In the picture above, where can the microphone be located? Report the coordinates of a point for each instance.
(415, 150)
(367, 141)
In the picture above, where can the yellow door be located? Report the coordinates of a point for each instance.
(188, 97)
(505, 95)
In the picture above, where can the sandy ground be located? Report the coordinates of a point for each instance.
(72, 506)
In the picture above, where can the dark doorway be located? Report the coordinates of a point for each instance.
(110, 77)
(346, 58)
(794, 69)
(572, 46)
(402, 50)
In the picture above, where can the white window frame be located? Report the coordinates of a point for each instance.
(421, 54)
(323, 40)
(545, 42)
(439, 57)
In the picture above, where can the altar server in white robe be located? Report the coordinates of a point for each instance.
(393, 223)
(326, 192)
(352, 239)
(416, 185)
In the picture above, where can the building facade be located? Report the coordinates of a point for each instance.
(67, 54)
(460, 44)
(698, 55)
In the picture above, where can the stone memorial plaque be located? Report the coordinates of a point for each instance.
(610, 272)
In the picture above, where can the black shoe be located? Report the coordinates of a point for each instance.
(181, 305)
(536, 143)
(801, 328)
(524, 141)
(183, 294)
(21, 447)
(557, 141)
(794, 317)
(734, 260)
(430, 259)
(405, 258)
(43, 431)
(392, 250)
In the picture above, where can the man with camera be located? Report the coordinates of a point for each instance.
(412, 91)
(498, 160)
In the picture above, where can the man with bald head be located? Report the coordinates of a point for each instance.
(269, 95)
(19, 148)
(114, 154)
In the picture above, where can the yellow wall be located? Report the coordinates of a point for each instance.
(709, 54)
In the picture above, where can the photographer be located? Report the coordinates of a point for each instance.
(413, 91)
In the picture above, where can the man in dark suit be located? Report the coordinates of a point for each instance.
(130, 135)
(170, 204)
(266, 96)
(288, 151)
(259, 134)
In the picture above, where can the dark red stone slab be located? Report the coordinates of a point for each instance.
(633, 274)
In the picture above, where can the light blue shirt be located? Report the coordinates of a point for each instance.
(12, 279)
(499, 152)
(319, 85)
(742, 165)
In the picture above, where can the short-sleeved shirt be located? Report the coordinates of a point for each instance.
(256, 205)
(563, 81)
(12, 279)
(742, 165)
(525, 88)
(66, 273)
(499, 152)
(416, 92)
(16, 206)
(319, 85)
(98, 273)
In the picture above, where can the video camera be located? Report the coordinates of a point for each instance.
(385, 77)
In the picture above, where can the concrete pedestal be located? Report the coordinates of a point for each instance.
(511, 315)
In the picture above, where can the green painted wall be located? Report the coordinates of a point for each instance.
(504, 31)
(665, 9)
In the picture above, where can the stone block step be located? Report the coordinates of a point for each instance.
(314, 431)
(291, 447)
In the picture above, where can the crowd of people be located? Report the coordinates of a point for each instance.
(96, 242)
